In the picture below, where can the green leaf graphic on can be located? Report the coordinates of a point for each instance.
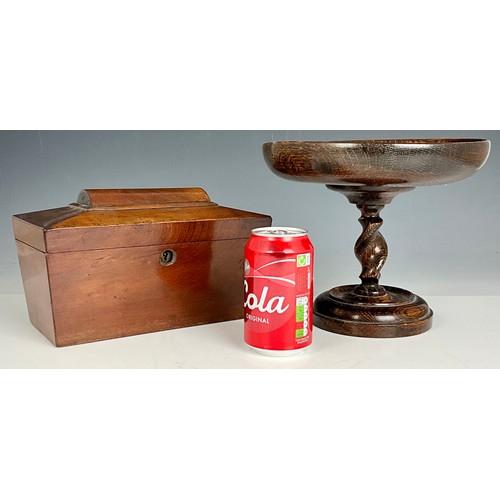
(299, 314)
(301, 260)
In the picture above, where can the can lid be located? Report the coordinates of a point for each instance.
(279, 232)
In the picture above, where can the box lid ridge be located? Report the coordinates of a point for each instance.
(113, 218)
(137, 198)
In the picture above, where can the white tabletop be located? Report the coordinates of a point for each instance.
(465, 334)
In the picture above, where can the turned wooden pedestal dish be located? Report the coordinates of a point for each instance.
(370, 174)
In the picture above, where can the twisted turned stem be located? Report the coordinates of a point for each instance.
(371, 251)
(370, 248)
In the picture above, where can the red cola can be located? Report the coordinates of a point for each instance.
(278, 291)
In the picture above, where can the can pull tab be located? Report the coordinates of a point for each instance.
(168, 257)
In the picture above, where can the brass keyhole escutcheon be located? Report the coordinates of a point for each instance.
(167, 257)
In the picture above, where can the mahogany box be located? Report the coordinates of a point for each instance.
(121, 262)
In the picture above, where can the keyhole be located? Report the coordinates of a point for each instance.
(167, 257)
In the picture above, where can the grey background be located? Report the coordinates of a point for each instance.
(443, 240)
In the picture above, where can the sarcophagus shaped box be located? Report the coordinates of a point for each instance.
(121, 262)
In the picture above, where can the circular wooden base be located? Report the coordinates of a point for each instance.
(397, 313)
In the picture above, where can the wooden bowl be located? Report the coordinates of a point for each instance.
(384, 162)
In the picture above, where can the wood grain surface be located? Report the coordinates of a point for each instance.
(105, 199)
(103, 294)
(94, 270)
(386, 162)
(395, 313)
(35, 275)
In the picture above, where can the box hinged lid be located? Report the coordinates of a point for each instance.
(117, 218)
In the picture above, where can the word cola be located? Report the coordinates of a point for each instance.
(278, 289)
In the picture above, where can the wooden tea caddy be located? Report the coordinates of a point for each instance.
(122, 262)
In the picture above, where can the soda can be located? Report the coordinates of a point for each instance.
(278, 288)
